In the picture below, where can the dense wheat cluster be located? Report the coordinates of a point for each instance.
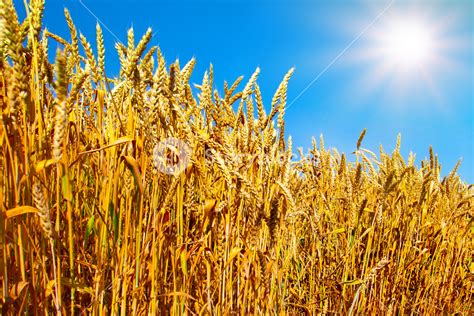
(90, 225)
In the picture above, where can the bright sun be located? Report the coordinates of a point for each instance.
(406, 52)
(408, 44)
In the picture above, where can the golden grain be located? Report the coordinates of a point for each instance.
(245, 229)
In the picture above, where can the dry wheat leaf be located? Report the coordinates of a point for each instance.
(20, 210)
(16, 289)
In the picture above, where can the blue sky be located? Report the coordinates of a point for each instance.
(428, 104)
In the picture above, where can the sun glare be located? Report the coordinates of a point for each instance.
(408, 52)
(408, 44)
(405, 44)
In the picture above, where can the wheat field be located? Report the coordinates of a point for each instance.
(93, 220)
